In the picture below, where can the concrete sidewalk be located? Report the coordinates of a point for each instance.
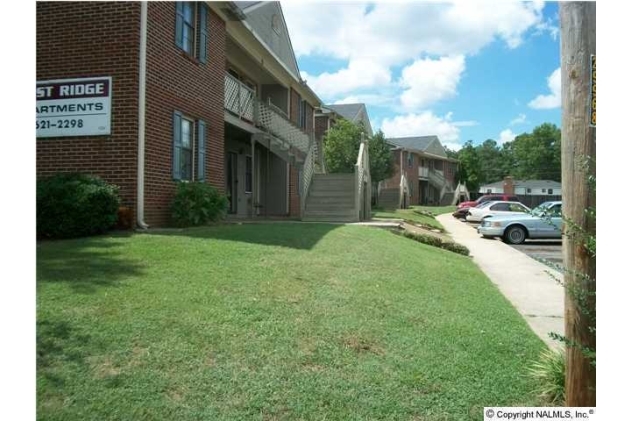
(522, 280)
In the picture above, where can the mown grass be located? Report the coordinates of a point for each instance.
(437, 210)
(272, 322)
(409, 215)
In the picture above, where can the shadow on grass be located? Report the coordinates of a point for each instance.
(85, 264)
(303, 236)
(59, 343)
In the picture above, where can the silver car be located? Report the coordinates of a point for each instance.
(544, 221)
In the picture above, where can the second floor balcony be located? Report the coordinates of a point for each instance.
(242, 101)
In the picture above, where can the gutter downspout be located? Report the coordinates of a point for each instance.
(142, 80)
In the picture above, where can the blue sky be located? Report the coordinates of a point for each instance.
(468, 70)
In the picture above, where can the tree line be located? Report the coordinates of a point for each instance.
(530, 156)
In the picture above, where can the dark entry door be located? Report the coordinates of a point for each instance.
(232, 181)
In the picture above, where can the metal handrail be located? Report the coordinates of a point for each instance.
(307, 175)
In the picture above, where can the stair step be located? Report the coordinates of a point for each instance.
(330, 208)
(337, 175)
(341, 200)
(330, 214)
(335, 193)
(325, 219)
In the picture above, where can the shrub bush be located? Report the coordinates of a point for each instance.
(435, 241)
(75, 205)
(549, 373)
(197, 203)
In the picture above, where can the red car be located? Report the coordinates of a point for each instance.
(486, 198)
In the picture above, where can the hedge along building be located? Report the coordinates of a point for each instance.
(206, 91)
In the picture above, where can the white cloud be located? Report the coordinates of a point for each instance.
(423, 124)
(451, 145)
(553, 99)
(359, 74)
(427, 81)
(506, 136)
(520, 119)
(395, 32)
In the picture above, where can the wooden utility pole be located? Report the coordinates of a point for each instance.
(578, 142)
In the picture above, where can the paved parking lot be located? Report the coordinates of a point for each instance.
(550, 250)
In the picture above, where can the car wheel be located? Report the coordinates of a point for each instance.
(515, 235)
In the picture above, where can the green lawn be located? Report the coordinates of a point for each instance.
(409, 215)
(437, 210)
(272, 322)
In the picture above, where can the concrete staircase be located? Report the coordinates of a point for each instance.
(331, 199)
(447, 199)
(389, 198)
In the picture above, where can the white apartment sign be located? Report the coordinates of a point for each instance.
(74, 107)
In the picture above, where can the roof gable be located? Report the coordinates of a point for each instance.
(268, 21)
(353, 112)
(429, 144)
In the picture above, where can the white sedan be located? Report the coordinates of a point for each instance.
(496, 208)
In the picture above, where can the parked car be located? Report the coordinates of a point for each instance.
(496, 208)
(487, 198)
(462, 213)
(544, 221)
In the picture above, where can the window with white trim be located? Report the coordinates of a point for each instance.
(186, 153)
(189, 139)
(191, 33)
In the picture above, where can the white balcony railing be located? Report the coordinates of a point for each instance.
(423, 172)
(241, 100)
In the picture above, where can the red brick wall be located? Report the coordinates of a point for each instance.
(393, 182)
(83, 39)
(309, 127)
(294, 199)
(320, 126)
(410, 173)
(293, 107)
(450, 172)
(176, 81)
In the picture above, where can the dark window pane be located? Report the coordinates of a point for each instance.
(186, 164)
(189, 12)
(248, 174)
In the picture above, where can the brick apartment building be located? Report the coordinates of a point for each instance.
(423, 173)
(203, 91)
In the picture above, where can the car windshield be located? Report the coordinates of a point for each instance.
(485, 204)
(542, 209)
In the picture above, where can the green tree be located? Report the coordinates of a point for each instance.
(381, 158)
(490, 157)
(341, 145)
(470, 171)
(538, 154)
